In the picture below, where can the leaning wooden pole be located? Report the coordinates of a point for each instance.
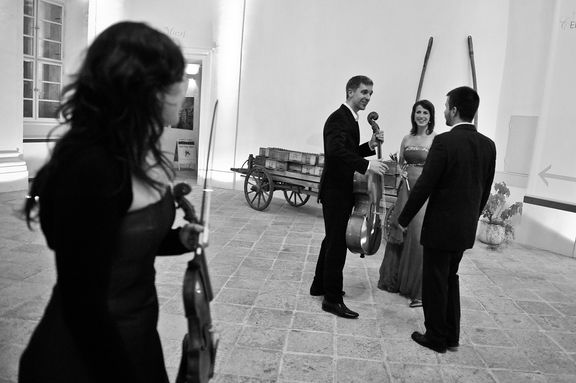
(426, 57)
(473, 67)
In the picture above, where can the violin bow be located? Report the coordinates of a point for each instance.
(473, 68)
(205, 207)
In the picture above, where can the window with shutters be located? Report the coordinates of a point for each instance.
(43, 47)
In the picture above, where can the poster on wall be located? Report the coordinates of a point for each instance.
(186, 115)
(185, 154)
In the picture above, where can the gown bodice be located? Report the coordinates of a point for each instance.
(415, 155)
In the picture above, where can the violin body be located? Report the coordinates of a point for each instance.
(200, 343)
(364, 229)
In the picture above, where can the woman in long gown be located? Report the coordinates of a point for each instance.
(106, 210)
(401, 269)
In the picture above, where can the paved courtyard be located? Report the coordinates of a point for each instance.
(518, 306)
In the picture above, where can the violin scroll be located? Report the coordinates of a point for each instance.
(180, 191)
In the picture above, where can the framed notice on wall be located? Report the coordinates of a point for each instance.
(185, 154)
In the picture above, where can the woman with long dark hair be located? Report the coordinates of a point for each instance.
(401, 269)
(105, 207)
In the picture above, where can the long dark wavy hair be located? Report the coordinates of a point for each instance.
(430, 108)
(115, 100)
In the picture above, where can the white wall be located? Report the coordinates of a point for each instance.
(298, 55)
(552, 175)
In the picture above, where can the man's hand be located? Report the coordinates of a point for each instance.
(377, 139)
(377, 166)
(397, 224)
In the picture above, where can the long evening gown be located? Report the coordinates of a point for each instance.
(401, 269)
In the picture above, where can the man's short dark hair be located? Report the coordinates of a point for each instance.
(466, 101)
(356, 81)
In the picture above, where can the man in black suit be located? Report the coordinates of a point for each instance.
(456, 180)
(343, 156)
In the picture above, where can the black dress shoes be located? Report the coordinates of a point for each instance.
(422, 340)
(453, 346)
(339, 309)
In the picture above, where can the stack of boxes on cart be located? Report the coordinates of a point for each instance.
(291, 161)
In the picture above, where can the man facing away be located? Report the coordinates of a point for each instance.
(343, 156)
(456, 180)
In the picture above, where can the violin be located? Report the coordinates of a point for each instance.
(201, 342)
(364, 229)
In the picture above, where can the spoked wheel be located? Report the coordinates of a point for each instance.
(295, 199)
(258, 188)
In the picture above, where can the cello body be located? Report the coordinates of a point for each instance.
(364, 229)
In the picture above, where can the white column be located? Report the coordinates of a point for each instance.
(13, 170)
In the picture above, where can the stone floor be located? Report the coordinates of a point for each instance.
(518, 306)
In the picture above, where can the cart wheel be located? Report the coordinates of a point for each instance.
(258, 188)
(295, 199)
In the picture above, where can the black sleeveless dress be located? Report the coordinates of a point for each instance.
(132, 308)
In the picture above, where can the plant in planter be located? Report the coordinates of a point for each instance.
(496, 219)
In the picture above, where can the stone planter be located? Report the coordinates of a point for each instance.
(491, 234)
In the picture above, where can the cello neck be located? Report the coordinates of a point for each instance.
(372, 117)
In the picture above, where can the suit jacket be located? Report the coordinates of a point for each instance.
(456, 180)
(343, 156)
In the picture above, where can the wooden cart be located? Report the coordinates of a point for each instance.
(261, 182)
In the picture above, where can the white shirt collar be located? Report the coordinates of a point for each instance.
(462, 123)
(353, 112)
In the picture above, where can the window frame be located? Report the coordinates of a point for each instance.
(38, 61)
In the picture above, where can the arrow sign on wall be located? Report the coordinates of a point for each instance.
(544, 174)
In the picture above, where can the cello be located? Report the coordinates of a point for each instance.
(364, 229)
(201, 341)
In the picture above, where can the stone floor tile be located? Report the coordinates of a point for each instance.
(466, 356)
(507, 376)
(359, 347)
(314, 322)
(253, 362)
(459, 374)
(360, 371)
(276, 300)
(243, 283)
(501, 357)
(566, 340)
(9, 358)
(229, 313)
(474, 318)
(358, 327)
(555, 323)
(310, 342)
(520, 298)
(236, 296)
(258, 337)
(515, 321)
(551, 362)
(532, 340)
(488, 337)
(408, 351)
(307, 368)
(415, 373)
(537, 308)
(263, 317)
(565, 309)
